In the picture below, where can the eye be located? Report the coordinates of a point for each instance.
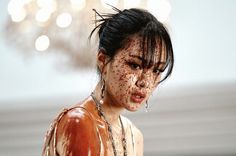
(157, 71)
(134, 65)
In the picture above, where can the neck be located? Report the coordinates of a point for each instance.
(111, 109)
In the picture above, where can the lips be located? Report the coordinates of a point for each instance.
(138, 97)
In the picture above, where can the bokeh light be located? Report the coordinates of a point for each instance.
(42, 43)
(16, 10)
(49, 5)
(131, 3)
(42, 15)
(78, 4)
(64, 20)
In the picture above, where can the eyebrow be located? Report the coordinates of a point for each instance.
(141, 58)
(136, 56)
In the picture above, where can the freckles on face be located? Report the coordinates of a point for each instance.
(122, 77)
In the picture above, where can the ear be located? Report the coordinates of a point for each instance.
(102, 60)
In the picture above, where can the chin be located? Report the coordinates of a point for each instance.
(132, 109)
(133, 106)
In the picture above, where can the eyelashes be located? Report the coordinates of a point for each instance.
(137, 66)
(134, 65)
(157, 71)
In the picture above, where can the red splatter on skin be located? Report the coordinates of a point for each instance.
(122, 78)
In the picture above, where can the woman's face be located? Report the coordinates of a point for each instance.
(128, 83)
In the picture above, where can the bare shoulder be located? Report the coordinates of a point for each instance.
(71, 121)
(73, 118)
(76, 125)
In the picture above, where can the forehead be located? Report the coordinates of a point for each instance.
(133, 46)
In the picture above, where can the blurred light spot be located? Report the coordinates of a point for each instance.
(49, 5)
(14, 6)
(16, 9)
(78, 4)
(42, 15)
(18, 15)
(42, 43)
(160, 8)
(111, 2)
(64, 20)
(27, 1)
(131, 3)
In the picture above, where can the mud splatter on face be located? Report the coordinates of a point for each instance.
(128, 83)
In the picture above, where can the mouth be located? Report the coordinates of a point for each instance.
(138, 97)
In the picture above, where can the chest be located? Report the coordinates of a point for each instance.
(106, 145)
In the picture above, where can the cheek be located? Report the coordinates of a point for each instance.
(124, 81)
(158, 78)
(127, 77)
(154, 85)
(124, 73)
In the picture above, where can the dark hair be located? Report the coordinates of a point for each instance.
(115, 29)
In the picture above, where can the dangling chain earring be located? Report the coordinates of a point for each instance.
(146, 106)
(102, 90)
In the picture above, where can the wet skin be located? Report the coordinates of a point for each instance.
(126, 79)
(129, 84)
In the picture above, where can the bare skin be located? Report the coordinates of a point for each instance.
(127, 84)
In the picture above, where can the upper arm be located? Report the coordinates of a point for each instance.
(77, 134)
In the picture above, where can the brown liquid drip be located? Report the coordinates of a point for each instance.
(78, 130)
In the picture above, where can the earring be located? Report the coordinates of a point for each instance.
(146, 106)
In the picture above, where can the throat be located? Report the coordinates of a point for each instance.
(112, 117)
(108, 105)
(112, 113)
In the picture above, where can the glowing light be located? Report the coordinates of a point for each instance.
(78, 4)
(16, 9)
(42, 43)
(111, 2)
(160, 8)
(42, 15)
(131, 3)
(18, 15)
(64, 20)
(49, 5)
(15, 6)
(27, 1)
(44, 3)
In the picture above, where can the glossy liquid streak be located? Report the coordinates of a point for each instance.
(79, 131)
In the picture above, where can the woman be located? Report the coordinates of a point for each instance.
(134, 50)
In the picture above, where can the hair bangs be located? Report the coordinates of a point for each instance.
(156, 50)
(114, 29)
(153, 48)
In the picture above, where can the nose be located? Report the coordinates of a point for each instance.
(142, 82)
